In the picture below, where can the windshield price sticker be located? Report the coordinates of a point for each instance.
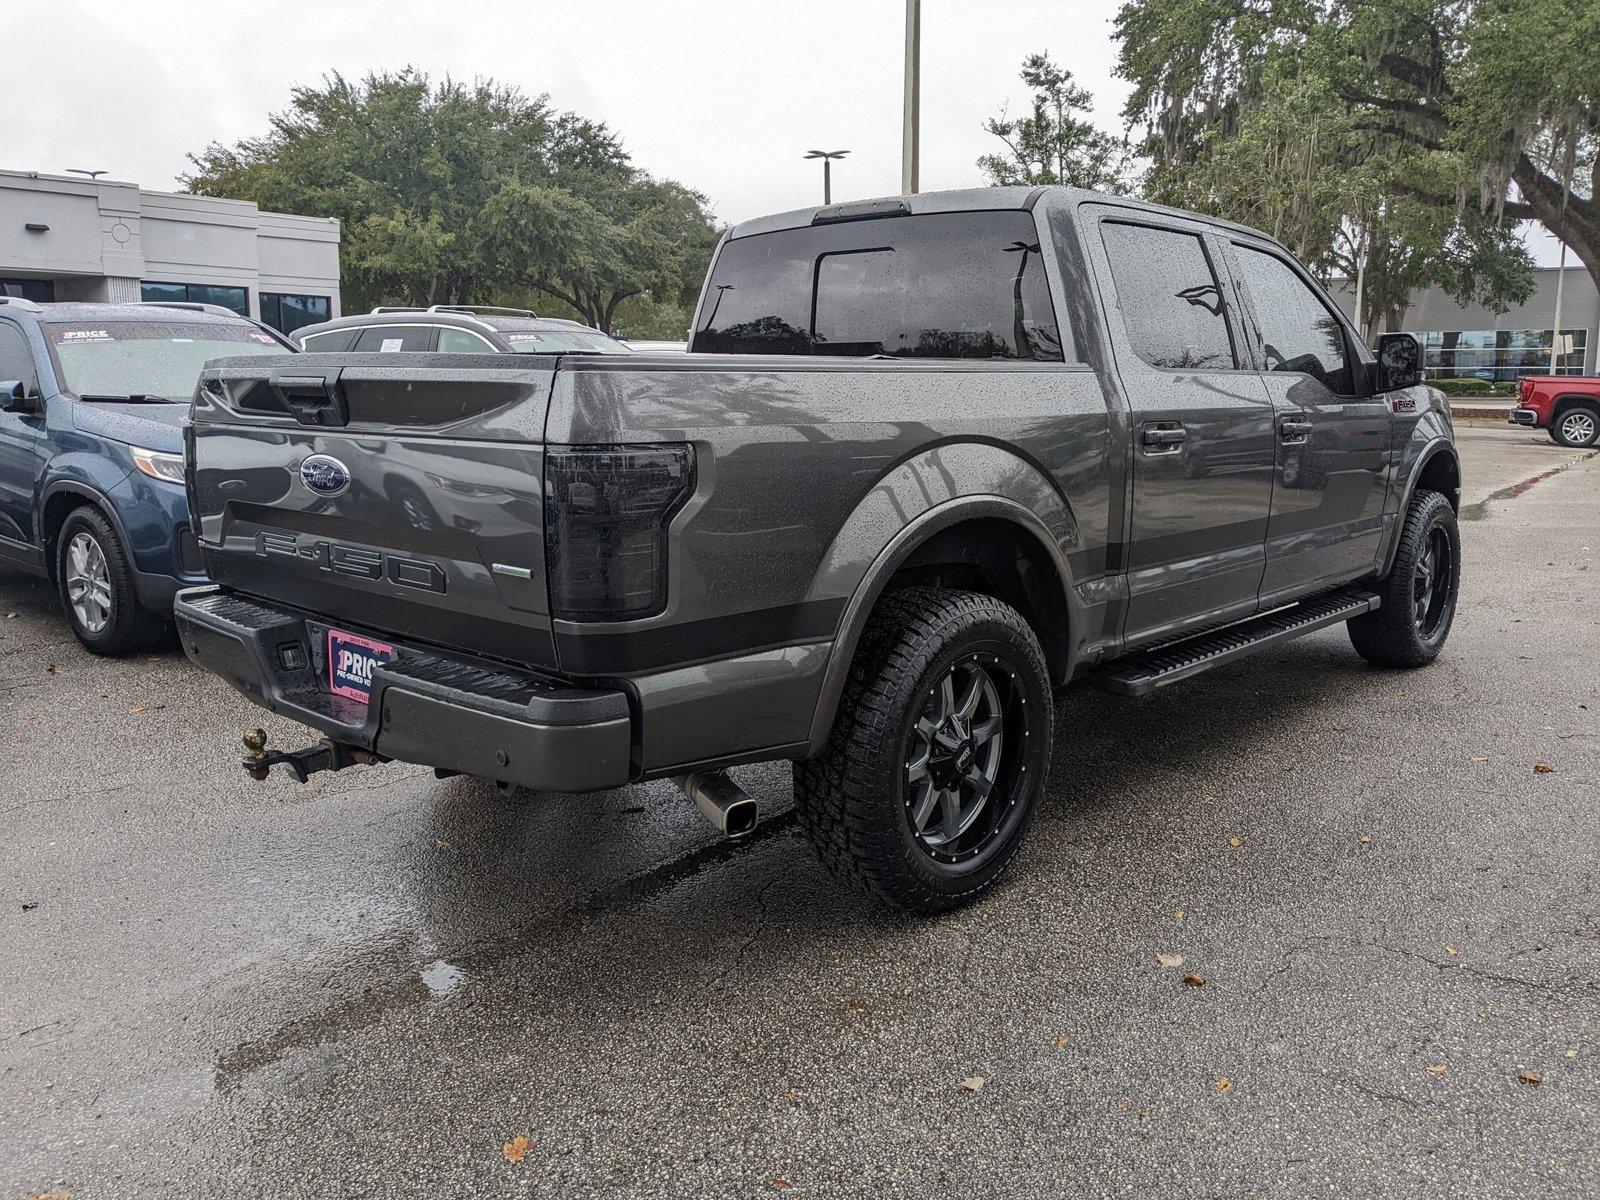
(86, 335)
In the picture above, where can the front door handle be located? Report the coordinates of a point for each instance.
(1293, 432)
(1163, 437)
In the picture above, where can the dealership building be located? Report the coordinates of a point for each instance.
(1476, 342)
(65, 237)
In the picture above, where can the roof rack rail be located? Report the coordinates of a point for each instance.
(389, 308)
(216, 310)
(475, 309)
(23, 303)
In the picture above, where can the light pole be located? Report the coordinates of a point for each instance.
(909, 149)
(827, 157)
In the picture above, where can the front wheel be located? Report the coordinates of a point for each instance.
(939, 752)
(1419, 595)
(96, 581)
(1578, 427)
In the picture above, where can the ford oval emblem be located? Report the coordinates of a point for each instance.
(325, 475)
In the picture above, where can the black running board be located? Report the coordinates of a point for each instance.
(1141, 674)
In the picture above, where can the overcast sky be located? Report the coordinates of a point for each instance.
(724, 96)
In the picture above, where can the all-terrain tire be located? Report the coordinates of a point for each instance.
(128, 626)
(1577, 426)
(854, 800)
(1397, 635)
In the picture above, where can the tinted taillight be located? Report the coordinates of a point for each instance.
(606, 514)
(1526, 387)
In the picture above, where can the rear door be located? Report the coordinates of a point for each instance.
(1202, 435)
(1332, 471)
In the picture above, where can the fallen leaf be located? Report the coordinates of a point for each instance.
(1062, 1041)
(1341, 729)
(11, 616)
(1542, 768)
(1208, 799)
(1235, 842)
(1170, 960)
(516, 1148)
(1480, 758)
(1571, 1054)
(1178, 916)
(1122, 1104)
(1530, 1078)
(1364, 840)
(974, 1083)
(1195, 980)
(52, 669)
(780, 1183)
(1584, 567)
(1440, 1069)
(441, 843)
(1223, 1084)
(1451, 951)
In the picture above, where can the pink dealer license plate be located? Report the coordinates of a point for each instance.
(351, 659)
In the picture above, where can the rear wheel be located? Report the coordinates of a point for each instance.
(1419, 595)
(939, 752)
(96, 582)
(1577, 426)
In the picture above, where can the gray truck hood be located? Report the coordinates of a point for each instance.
(153, 426)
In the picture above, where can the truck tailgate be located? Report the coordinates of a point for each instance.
(405, 498)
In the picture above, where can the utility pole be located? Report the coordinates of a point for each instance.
(1555, 334)
(909, 149)
(827, 157)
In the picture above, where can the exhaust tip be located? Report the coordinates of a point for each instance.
(721, 801)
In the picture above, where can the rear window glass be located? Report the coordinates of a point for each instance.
(147, 358)
(553, 341)
(943, 285)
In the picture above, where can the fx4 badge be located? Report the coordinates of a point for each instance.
(356, 561)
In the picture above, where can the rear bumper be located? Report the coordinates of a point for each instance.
(1523, 416)
(427, 708)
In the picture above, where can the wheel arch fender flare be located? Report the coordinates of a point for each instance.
(1436, 460)
(933, 492)
(89, 494)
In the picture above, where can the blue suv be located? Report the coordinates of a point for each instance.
(93, 399)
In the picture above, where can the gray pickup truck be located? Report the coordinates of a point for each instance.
(929, 458)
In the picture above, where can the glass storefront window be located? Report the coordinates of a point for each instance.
(236, 298)
(1500, 355)
(288, 313)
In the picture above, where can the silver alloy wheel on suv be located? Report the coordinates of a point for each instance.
(88, 583)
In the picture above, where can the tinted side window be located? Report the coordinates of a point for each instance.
(943, 285)
(334, 339)
(1297, 330)
(1171, 303)
(388, 339)
(462, 341)
(16, 360)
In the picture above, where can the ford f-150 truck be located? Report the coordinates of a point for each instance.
(929, 458)
(1568, 406)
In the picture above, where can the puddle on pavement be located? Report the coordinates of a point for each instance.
(441, 978)
(1479, 510)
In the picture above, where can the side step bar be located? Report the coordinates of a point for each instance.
(1141, 674)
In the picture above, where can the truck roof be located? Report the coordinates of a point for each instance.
(972, 199)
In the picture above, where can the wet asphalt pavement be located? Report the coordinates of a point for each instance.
(370, 984)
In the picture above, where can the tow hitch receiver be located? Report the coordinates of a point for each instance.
(326, 755)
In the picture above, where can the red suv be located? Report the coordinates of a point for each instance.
(1567, 405)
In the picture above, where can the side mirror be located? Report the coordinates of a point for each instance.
(1399, 361)
(14, 392)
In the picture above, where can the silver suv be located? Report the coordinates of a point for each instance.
(455, 329)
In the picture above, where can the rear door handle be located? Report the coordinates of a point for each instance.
(1293, 432)
(1163, 437)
